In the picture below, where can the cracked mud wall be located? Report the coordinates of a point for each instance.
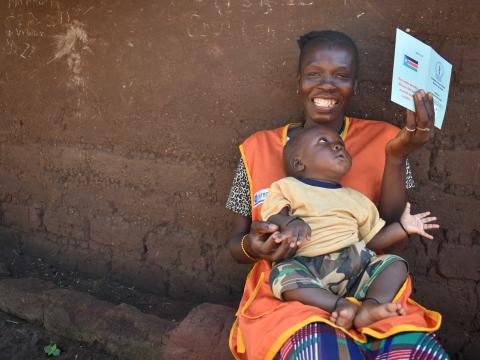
(119, 126)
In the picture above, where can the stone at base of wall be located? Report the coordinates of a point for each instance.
(121, 330)
(203, 334)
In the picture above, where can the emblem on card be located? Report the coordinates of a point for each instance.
(438, 71)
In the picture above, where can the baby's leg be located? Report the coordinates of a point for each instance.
(342, 311)
(297, 279)
(377, 304)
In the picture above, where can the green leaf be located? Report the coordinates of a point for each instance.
(52, 350)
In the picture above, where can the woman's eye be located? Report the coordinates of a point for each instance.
(322, 140)
(343, 76)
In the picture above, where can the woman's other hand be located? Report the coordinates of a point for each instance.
(265, 242)
(256, 240)
(418, 130)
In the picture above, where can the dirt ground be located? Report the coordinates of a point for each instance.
(23, 341)
(20, 340)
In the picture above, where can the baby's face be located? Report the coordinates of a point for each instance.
(323, 154)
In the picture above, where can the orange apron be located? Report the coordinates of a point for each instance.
(263, 322)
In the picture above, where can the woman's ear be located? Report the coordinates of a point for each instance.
(355, 87)
(298, 82)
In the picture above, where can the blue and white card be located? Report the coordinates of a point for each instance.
(417, 66)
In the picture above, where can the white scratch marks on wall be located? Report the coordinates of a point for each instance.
(71, 45)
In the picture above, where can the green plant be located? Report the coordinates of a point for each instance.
(52, 350)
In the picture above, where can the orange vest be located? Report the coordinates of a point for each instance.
(263, 322)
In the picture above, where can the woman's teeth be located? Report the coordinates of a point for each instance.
(326, 103)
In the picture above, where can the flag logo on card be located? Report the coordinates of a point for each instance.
(410, 63)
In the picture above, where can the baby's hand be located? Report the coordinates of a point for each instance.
(418, 223)
(295, 232)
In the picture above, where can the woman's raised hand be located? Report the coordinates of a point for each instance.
(419, 128)
(265, 241)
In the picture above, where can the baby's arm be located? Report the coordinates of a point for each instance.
(276, 210)
(291, 227)
(397, 231)
(282, 219)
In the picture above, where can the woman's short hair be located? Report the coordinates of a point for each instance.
(327, 36)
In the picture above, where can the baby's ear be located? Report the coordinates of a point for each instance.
(297, 164)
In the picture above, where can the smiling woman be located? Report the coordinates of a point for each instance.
(327, 78)
(266, 327)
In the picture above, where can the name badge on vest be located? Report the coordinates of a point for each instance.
(259, 197)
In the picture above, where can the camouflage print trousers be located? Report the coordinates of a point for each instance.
(347, 272)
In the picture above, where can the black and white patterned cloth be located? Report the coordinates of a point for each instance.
(239, 198)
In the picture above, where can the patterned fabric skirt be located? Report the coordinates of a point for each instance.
(319, 341)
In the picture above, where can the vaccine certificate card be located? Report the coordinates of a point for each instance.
(417, 66)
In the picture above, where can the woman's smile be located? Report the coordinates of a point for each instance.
(324, 103)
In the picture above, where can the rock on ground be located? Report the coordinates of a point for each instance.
(122, 330)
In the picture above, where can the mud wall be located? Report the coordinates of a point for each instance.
(120, 120)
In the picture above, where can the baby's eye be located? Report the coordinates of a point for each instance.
(322, 140)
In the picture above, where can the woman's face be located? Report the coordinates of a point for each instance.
(327, 79)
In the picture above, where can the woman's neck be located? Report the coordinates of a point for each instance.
(336, 124)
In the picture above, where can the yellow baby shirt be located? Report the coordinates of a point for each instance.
(338, 217)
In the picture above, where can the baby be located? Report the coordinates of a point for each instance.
(337, 261)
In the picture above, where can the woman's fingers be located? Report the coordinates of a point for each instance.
(282, 251)
(411, 124)
(281, 245)
(420, 108)
(420, 122)
(422, 117)
(279, 237)
(430, 109)
(418, 129)
(275, 247)
(263, 227)
(268, 246)
(425, 114)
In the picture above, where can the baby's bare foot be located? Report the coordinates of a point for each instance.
(371, 312)
(344, 314)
